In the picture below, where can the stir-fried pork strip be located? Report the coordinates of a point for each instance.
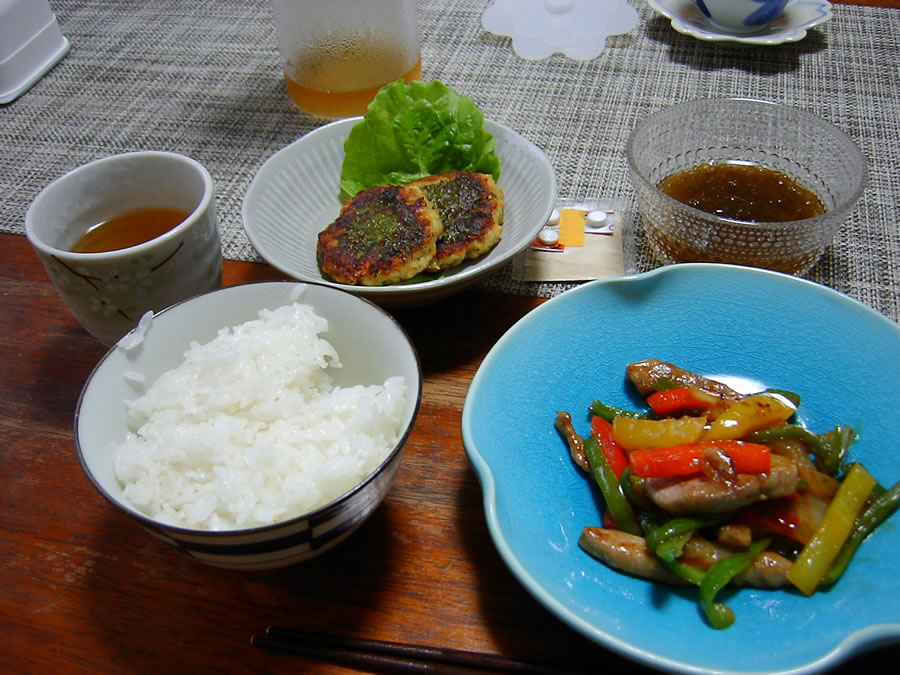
(645, 374)
(700, 494)
(629, 553)
(768, 570)
(734, 536)
(820, 484)
(576, 442)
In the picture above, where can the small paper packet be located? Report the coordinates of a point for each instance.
(589, 245)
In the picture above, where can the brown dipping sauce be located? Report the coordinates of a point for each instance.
(742, 191)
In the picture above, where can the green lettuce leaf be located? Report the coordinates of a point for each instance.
(415, 130)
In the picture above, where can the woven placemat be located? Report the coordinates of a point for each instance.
(202, 78)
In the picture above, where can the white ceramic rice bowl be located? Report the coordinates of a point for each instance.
(372, 347)
(295, 195)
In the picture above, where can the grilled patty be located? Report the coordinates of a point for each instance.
(470, 206)
(383, 235)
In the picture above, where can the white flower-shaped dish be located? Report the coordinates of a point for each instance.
(791, 25)
(576, 28)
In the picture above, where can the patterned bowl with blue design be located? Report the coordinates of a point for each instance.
(742, 16)
(372, 347)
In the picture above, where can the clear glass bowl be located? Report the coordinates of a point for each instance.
(814, 152)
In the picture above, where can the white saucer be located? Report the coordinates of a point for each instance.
(790, 26)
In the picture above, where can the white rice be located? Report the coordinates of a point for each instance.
(134, 338)
(250, 430)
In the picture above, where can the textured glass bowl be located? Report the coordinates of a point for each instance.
(812, 151)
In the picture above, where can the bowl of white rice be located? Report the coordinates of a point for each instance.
(255, 426)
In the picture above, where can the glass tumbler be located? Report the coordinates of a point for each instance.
(337, 54)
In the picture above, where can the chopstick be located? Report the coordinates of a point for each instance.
(392, 656)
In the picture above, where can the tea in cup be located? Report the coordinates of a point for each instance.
(125, 235)
(336, 55)
(741, 16)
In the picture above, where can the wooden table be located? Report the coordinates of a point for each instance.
(84, 590)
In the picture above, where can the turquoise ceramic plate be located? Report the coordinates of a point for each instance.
(776, 330)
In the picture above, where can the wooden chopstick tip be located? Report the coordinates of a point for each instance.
(396, 657)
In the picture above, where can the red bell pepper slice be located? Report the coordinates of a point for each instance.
(685, 460)
(778, 516)
(680, 400)
(614, 453)
(608, 521)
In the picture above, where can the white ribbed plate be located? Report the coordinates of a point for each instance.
(295, 195)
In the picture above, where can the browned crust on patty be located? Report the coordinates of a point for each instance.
(383, 235)
(470, 206)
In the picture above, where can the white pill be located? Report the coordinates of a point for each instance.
(548, 236)
(554, 217)
(596, 218)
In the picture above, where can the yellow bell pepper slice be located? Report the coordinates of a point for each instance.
(749, 414)
(644, 434)
(828, 538)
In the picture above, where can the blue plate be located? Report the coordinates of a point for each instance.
(717, 320)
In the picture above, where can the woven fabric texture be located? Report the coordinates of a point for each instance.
(203, 78)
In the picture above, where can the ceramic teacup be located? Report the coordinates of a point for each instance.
(109, 291)
(741, 16)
